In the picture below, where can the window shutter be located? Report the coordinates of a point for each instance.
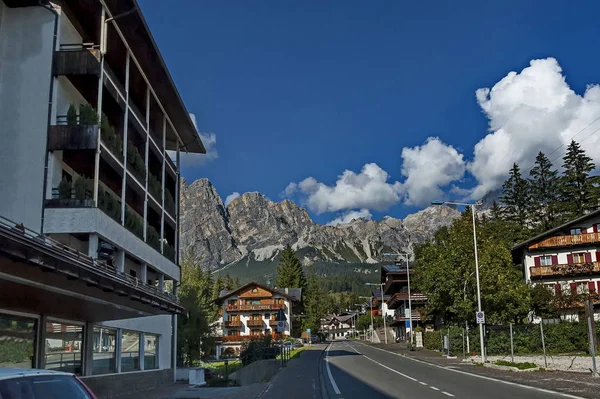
(597, 256)
(537, 261)
(588, 257)
(557, 288)
(595, 228)
(570, 259)
(555, 259)
(573, 288)
(598, 286)
(591, 287)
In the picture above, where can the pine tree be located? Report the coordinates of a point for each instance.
(228, 282)
(544, 191)
(516, 197)
(289, 271)
(236, 283)
(578, 193)
(217, 287)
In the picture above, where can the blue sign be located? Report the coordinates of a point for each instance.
(308, 331)
(408, 324)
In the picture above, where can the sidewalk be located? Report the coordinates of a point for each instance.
(573, 383)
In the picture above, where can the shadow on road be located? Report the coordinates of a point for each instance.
(353, 386)
(339, 352)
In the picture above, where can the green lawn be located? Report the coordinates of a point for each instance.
(219, 367)
(294, 353)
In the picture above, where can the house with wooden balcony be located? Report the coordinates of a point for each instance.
(93, 127)
(565, 259)
(338, 326)
(395, 280)
(254, 311)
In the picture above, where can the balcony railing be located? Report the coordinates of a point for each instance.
(254, 323)
(256, 307)
(242, 338)
(77, 59)
(391, 281)
(233, 323)
(73, 137)
(273, 323)
(565, 269)
(567, 241)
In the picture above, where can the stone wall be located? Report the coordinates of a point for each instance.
(117, 386)
(256, 372)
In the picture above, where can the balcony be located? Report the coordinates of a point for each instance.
(77, 137)
(273, 323)
(257, 307)
(243, 338)
(567, 241)
(394, 281)
(575, 269)
(233, 324)
(254, 323)
(402, 297)
(77, 59)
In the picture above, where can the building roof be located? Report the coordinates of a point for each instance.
(377, 294)
(294, 294)
(555, 230)
(393, 269)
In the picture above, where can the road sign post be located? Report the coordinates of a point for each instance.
(480, 317)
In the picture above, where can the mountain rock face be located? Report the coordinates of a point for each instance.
(253, 227)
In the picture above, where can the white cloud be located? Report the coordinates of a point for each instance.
(534, 110)
(368, 189)
(210, 143)
(347, 217)
(290, 190)
(231, 197)
(428, 168)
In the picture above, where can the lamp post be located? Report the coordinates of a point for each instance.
(382, 315)
(356, 315)
(370, 298)
(410, 324)
(482, 343)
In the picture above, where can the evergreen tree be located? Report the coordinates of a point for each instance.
(516, 197)
(289, 271)
(228, 282)
(544, 191)
(236, 283)
(313, 304)
(217, 287)
(578, 193)
(496, 212)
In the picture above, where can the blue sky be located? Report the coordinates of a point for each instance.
(310, 89)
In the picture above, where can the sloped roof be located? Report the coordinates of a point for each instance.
(293, 294)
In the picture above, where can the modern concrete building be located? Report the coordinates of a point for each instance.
(566, 260)
(90, 121)
(253, 311)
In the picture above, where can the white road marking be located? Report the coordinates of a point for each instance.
(447, 394)
(333, 384)
(422, 383)
(564, 395)
(434, 388)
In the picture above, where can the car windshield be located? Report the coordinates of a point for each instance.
(42, 387)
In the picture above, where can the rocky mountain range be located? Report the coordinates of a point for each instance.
(254, 229)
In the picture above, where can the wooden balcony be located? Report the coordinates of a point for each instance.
(273, 323)
(257, 307)
(401, 297)
(73, 137)
(232, 323)
(254, 323)
(394, 281)
(243, 338)
(567, 241)
(575, 269)
(77, 59)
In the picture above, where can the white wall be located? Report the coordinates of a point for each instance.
(245, 316)
(26, 38)
(160, 325)
(67, 34)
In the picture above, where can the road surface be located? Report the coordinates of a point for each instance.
(355, 370)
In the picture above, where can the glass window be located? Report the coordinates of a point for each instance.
(17, 337)
(579, 258)
(64, 344)
(104, 356)
(151, 352)
(575, 230)
(546, 260)
(130, 351)
(43, 387)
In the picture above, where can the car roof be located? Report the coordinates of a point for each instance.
(6, 372)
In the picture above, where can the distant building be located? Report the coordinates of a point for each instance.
(254, 311)
(338, 326)
(565, 259)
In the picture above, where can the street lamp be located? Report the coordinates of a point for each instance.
(382, 315)
(356, 317)
(370, 298)
(410, 324)
(482, 343)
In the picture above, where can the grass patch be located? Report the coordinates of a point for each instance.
(519, 365)
(295, 353)
(218, 368)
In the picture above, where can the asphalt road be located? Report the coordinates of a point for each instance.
(354, 370)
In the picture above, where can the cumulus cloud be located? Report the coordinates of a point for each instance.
(231, 197)
(368, 189)
(290, 190)
(428, 168)
(347, 217)
(210, 143)
(534, 110)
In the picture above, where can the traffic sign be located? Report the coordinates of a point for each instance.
(308, 331)
(280, 326)
(480, 317)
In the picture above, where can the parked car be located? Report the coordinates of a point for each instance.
(298, 344)
(288, 344)
(41, 384)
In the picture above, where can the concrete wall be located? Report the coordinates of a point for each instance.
(160, 325)
(26, 38)
(117, 386)
(256, 372)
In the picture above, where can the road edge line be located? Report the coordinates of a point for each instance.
(566, 395)
(324, 393)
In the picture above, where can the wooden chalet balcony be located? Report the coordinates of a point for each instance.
(254, 323)
(400, 297)
(273, 323)
(394, 280)
(257, 307)
(77, 59)
(243, 338)
(564, 269)
(73, 137)
(415, 316)
(232, 323)
(567, 241)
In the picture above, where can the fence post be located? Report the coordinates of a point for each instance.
(442, 340)
(449, 342)
(589, 314)
(512, 350)
(463, 342)
(543, 343)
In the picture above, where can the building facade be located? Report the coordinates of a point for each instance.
(338, 326)
(93, 127)
(254, 311)
(566, 260)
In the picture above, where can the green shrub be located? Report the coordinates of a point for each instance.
(87, 115)
(519, 365)
(111, 138)
(72, 115)
(81, 186)
(64, 189)
(152, 238)
(155, 187)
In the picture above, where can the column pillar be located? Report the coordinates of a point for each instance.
(161, 282)
(41, 342)
(144, 273)
(88, 349)
(93, 246)
(120, 262)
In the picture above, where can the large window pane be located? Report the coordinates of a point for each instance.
(151, 352)
(64, 343)
(17, 336)
(105, 358)
(130, 351)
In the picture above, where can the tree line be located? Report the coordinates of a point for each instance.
(547, 198)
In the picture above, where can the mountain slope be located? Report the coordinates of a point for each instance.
(253, 230)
